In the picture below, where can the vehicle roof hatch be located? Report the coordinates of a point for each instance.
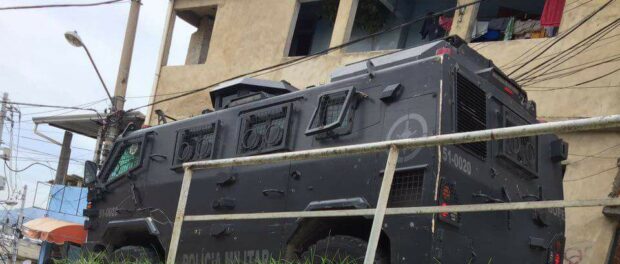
(244, 90)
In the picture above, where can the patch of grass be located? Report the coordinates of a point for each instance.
(97, 258)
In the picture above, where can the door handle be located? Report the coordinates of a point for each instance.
(223, 204)
(267, 192)
(229, 180)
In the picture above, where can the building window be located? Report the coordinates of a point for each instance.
(376, 15)
(517, 19)
(314, 27)
(203, 20)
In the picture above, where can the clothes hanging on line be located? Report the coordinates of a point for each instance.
(552, 13)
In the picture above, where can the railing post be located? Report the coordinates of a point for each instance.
(384, 195)
(179, 218)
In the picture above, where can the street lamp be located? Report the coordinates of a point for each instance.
(74, 39)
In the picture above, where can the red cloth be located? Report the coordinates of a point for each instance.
(445, 23)
(552, 13)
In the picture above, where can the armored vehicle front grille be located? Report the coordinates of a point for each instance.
(406, 188)
(471, 112)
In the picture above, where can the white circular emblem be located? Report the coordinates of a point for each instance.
(408, 126)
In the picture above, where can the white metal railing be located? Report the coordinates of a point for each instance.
(393, 146)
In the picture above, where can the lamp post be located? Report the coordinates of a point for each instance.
(109, 131)
(74, 39)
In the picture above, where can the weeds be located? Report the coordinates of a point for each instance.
(96, 258)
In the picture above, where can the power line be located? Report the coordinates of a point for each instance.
(49, 106)
(547, 89)
(599, 77)
(27, 167)
(47, 142)
(559, 38)
(540, 46)
(513, 65)
(567, 54)
(60, 5)
(57, 110)
(550, 76)
(592, 175)
(317, 54)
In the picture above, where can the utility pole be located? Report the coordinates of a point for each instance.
(18, 225)
(63, 161)
(5, 100)
(121, 80)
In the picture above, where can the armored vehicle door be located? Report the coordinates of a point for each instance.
(120, 194)
(240, 190)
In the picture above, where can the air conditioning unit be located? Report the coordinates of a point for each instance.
(5, 154)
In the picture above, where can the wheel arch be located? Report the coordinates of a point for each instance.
(133, 232)
(310, 230)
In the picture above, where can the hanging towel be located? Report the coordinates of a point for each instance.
(552, 13)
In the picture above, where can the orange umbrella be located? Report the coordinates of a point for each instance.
(55, 231)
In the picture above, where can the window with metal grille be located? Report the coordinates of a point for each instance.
(406, 188)
(471, 110)
(334, 113)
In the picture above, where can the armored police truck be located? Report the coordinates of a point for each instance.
(437, 88)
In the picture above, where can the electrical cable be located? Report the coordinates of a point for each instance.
(513, 65)
(47, 142)
(560, 38)
(27, 167)
(591, 175)
(60, 5)
(598, 78)
(569, 73)
(578, 6)
(548, 89)
(314, 55)
(57, 110)
(49, 106)
(540, 45)
(567, 54)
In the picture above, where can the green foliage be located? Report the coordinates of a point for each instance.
(97, 258)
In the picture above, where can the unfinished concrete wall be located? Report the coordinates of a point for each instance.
(249, 35)
(199, 42)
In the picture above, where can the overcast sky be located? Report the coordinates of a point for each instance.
(37, 65)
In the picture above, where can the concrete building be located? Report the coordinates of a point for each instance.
(573, 73)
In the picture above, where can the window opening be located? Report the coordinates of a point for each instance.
(314, 27)
(192, 35)
(517, 19)
(126, 161)
(373, 16)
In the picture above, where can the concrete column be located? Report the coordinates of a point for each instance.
(199, 42)
(344, 22)
(464, 19)
(162, 57)
(63, 160)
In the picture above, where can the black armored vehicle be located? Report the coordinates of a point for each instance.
(438, 88)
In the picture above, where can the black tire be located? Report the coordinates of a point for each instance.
(134, 254)
(340, 249)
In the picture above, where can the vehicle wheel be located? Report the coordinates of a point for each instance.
(135, 254)
(340, 249)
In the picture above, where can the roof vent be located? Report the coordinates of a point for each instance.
(246, 90)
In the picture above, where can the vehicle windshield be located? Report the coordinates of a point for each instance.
(127, 159)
